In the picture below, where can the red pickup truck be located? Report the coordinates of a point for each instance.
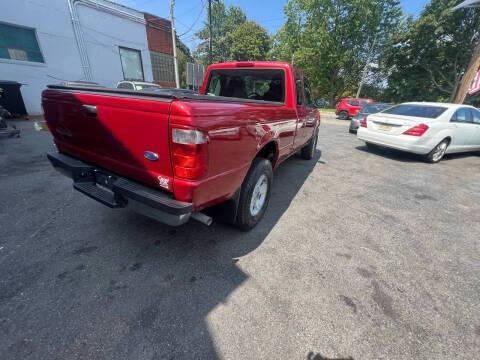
(171, 154)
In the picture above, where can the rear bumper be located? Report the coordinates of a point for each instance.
(117, 192)
(413, 144)
(354, 124)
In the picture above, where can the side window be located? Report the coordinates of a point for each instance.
(354, 102)
(298, 90)
(462, 115)
(132, 66)
(19, 43)
(475, 116)
(214, 86)
(308, 94)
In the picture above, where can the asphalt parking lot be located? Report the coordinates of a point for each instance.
(361, 255)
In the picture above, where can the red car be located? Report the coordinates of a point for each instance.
(170, 155)
(349, 107)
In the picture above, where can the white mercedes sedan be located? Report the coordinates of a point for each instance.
(429, 129)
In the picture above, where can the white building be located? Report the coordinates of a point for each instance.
(48, 41)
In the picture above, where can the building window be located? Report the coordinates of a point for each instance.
(19, 43)
(162, 67)
(131, 64)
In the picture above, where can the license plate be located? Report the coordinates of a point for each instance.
(385, 127)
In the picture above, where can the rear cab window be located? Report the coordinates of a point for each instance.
(372, 109)
(253, 84)
(422, 111)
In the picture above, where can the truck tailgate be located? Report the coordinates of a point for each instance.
(126, 134)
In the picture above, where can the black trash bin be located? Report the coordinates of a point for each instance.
(11, 98)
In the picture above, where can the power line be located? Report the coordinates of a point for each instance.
(202, 4)
(196, 20)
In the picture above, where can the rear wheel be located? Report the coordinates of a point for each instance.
(438, 152)
(308, 151)
(255, 194)
(343, 115)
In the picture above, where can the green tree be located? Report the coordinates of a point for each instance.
(183, 56)
(332, 39)
(427, 59)
(224, 22)
(249, 41)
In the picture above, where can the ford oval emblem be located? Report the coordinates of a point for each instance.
(149, 155)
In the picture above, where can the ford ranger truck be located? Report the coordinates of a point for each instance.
(170, 155)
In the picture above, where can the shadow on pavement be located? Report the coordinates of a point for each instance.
(403, 156)
(100, 283)
(317, 356)
(391, 154)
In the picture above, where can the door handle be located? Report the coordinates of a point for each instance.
(90, 109)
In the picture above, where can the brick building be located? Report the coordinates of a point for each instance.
(48, 41)
(160, 45)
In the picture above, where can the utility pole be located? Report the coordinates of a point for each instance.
(210, 55)
(174, 41)
(365, 69)
(473, 65)
(469, 75)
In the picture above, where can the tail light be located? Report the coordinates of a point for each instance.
(363, 122)
(417, 130)
(189, 153)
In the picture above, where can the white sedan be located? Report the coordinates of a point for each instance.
(429, 129)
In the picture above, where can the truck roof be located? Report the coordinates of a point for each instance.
(251, 64)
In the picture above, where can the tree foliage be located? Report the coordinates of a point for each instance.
(233, 37)
(249, 41)
(332, 39)
(183, 56)
(427, 59)
(224, 22)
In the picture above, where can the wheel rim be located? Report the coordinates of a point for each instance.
(259, 195)
(439, 151)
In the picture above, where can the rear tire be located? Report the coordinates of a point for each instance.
(308, 151)
(343, 115)
(438, 152)
(255, 194)
(371, 146)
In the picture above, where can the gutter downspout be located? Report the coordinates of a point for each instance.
(78, 31)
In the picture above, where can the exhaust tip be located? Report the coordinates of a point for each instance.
(200, 217)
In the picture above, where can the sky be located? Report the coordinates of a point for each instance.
(190, 14)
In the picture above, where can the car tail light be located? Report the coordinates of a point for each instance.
(363, 122)
(189, 153)
(417, 130)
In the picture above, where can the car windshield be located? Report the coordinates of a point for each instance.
(372, 109)
(423, 111)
